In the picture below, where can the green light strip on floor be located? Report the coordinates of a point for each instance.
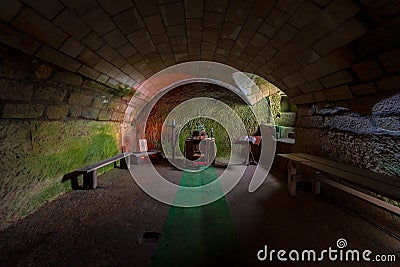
(200, 236)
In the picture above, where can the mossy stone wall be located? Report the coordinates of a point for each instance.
(36, 154)
(52, 122)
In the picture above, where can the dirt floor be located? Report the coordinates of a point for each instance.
(105, 227)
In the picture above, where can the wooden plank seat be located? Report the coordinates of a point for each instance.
(346, 178)
(90, 172)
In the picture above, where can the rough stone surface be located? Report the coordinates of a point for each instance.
(22, 111)
(59, 95)
(56, 112)
(15, 91)
(369, 141)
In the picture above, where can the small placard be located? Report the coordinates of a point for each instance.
(143, 145)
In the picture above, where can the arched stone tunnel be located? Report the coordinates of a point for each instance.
(72, 73)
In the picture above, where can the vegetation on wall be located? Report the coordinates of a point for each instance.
(157, 118)
(47, 151)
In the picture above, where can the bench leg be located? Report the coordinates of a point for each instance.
(74, 183)
(316, 187)
(291, 179)
(125, 162)
(90, 180)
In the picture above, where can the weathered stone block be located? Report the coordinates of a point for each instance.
(71, 47)
(10, 9)
(94, 85)
(307, 56)
(283, 36)
(238, 11)
(304, 99)
(78, 6)
(363, 89)
(338, 78)
(57, 58)
(173, 13)
(107, 52)
(116, 6)
(267, 30)
(338, 93)
(129, 21)
(319, 96)
(331, 63)
(311, 86)
(90, 113)
(105, 115)
(388, 123)
(118, 61)
(40, 28)
(89, 58)
(154, 24)
(93, 41)
(99, 21)
(310, 122)
(276, 18)
(194, 8)
(56, 112)
(127, 50)
(115, 38)
(50, 93)
(339, 11)
(103, 66)
(49, 9)
(347, 32)
(147, 7)
(89, 72)
(18, 40)
(304, 14)
(103, 78)
(75, 111)
(80, 99)
(389, 83)
(304, 111)
(68, 77)
(368, 70)
(101, 102)
(219, 6)
(293, 92)
(115, 116)
(72, 24)
(294, 79)
(22, 111)
(391, 60)
(14, 90)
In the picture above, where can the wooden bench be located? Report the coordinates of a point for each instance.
(90, 172)
(346, 178)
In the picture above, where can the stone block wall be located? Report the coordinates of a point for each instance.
(370, 141)
(52, 122)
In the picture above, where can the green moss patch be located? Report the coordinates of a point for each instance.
(34, 165)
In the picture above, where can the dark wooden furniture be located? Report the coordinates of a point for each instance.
(90, 172)
(346, 178)
(200, 150)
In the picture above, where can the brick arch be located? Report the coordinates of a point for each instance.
(314, 50)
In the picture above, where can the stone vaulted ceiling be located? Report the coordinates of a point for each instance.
(314, 50)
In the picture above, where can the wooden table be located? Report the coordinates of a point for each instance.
(200, 150)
